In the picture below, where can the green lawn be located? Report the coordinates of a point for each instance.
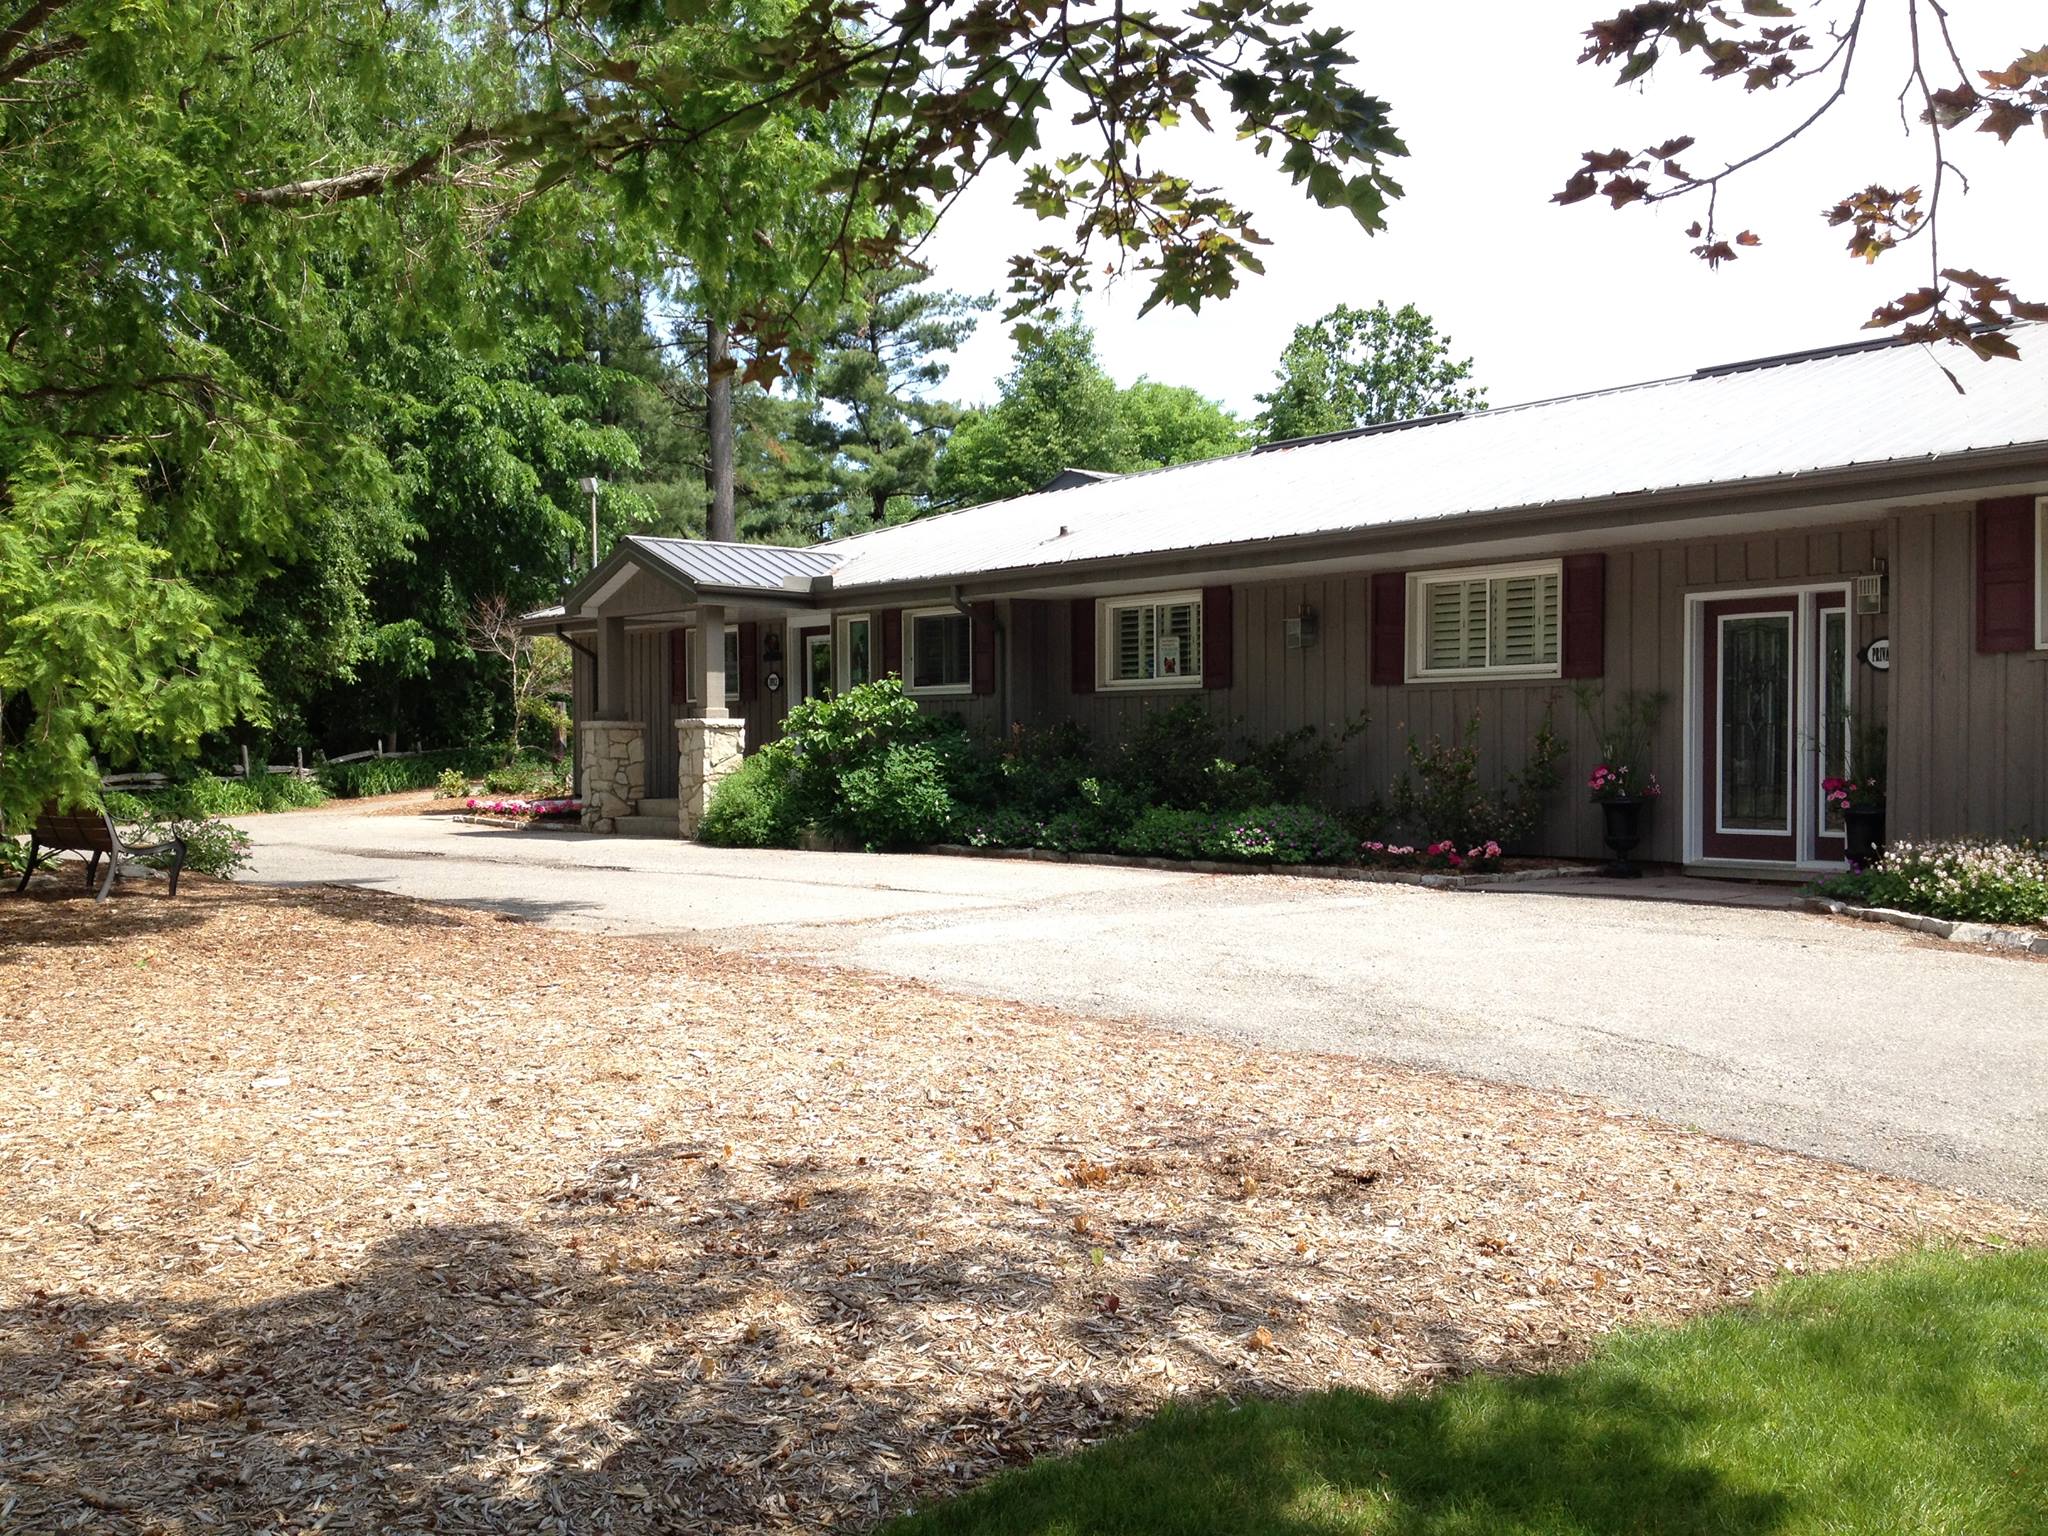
(1907, 1398)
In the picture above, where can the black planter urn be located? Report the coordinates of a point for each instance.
(1624, 829)
(1864, 834)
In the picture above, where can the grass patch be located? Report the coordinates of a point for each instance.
(1907, 1397)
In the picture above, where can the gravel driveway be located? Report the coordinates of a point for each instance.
(1864, 1044)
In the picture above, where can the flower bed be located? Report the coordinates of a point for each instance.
(1442, 856)
(546, 809)
(1959, 880)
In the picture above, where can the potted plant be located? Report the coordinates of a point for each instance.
(1621, 783)
(1861, 802)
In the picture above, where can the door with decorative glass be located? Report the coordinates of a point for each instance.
(1773, 716)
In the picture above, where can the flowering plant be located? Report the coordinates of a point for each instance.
(1618, 781)
(1863, 794)
(1440, 855)
(1963, 880)
(553, 806)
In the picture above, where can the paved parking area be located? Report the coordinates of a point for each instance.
(1865, 1044)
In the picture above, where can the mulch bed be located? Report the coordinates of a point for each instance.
(330, 1210)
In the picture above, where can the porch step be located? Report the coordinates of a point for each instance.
(644, 825)
(659, 807)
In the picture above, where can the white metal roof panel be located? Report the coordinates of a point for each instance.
(737, 567)
(1892, 404)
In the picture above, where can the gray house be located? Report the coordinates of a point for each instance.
(1785, 547)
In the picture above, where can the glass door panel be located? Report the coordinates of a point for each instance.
(1750, 764)
(1832, 730)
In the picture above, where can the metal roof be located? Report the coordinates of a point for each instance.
(735, 567)
(1859, 406)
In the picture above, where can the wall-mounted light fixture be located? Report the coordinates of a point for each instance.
(1301, 629)
(1870, 588)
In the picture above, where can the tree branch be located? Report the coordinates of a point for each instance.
(372, 180)
(26, 25)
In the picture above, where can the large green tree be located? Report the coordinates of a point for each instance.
(1058, 409)
(1359, 367)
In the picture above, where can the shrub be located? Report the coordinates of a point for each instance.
(869, 765)
(205, 795)
(211, 847)
(752, 806)
(389, 775)
(534, 778)
(1278, 834)
(1962, 881)
(1442, 855)
(451, 784)
(1441, 797)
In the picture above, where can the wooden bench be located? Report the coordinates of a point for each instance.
(93, 834)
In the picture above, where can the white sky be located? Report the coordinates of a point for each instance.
(1551, 300)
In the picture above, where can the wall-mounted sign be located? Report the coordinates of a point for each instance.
(774, 682)
(1879, 654)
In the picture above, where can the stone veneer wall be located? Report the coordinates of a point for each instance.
(613, 756)
(706, 751)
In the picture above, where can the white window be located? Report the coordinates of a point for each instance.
(938, 651)
(2041, 574)
(856, 651)
(1501, 621)
(1153, 641)
(732, 664)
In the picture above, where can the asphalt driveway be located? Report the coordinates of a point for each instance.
(1865, 1044)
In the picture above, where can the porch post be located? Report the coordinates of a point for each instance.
(611, 750)
(708, 745)
(611, 669)
(710, 678)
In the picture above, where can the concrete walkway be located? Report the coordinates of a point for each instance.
(1847, 1040)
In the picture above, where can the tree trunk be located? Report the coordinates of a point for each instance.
(718, 430)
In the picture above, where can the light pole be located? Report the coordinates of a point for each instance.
(590, 483)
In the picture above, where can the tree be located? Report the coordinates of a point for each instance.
(879, 427)
(1172, 424)
(537, 669)
(1765, 46)
(1059, 410)
(1358, 367)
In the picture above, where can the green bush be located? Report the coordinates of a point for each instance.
(206, 795)
(869, 766)
(528, 777)
(1441, 797)
(211, 847)
(390, 775)
(752, 806)
(1277, 834)
(1961, 881)
(451, 784)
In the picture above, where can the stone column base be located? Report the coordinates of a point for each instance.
(613, 757)
(706, 751)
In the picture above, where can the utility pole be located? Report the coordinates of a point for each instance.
(590, 483)
(718, 372)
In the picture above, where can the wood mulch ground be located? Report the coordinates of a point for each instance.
(329, 1210)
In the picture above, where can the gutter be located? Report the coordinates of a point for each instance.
(1001, 640)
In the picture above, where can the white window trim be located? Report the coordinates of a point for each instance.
(2041, 573)
(842, 648)
(1418, 622)
(939, 690)
(1105, 642)
(732, 674)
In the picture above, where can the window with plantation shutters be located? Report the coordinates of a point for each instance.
(939, 650)
(1152, 641)
(1505, 621)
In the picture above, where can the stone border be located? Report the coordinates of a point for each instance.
(1989, 935)
(1434, 882)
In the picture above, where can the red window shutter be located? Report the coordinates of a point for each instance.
(750, 660)
(1216, 639)
(981, 625)
(678, 667)
(2006, 574)
(1389, 628)
(1584, 646)
(1081, 643)
(890, 620)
